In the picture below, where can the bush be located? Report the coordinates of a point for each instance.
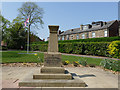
(83, 62)
(110, 64)
(114, 49)
(3, 48)
(103, 39)
(87, 48)
(65, 62)
(41, 47)
(75, 63)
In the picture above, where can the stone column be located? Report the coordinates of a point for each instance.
(52, 58)
(53, 39)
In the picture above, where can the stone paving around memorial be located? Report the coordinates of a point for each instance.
(93, 77)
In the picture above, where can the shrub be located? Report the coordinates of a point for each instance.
(41, 47)
(103, 39)
(87, 48)
(110, 64)
(65, 62)
(83, 62)
(114, 49)
(75, 63)
(3, 48)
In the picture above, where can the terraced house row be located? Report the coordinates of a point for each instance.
(93, 30)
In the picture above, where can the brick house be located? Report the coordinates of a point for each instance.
(93, 30)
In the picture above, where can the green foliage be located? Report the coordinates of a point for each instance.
(41, 47)
(88, 48)
(83, 62)
(103, 39)
(75, 63)
(15, 36)
(4, 24)
(65, 62)
(3, 48)
(14, 57)
(114, 49)
(110, 64)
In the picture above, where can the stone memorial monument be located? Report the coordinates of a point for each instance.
(52, 74)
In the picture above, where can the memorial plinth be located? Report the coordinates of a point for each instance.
(52, 74)
(52, 59)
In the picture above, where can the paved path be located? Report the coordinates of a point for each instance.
(93, 77)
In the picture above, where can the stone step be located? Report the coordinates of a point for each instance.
(52, 70)
(52, 83)
(53, 76)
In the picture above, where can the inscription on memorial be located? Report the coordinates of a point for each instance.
(52, 61)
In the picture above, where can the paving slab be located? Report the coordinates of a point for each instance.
(93, 77)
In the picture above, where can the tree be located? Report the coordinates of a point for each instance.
(35, 14)
(4, 24)
(31, 10)
(16, 36)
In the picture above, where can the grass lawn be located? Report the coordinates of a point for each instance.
(14, 57)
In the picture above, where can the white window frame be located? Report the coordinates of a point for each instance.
(85, 27)
(71, 37)
(83, 36)
(67, 37)
(87, 35)
(93, 34)
(63, 38)
(77, 36)
(58, 37)
(105, 33)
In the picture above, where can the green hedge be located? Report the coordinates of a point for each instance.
(41, 47)
(103, 39)
(3, 48)
(87, 48)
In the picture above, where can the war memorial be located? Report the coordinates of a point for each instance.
(52, 74)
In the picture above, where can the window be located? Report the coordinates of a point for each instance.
(71, 37)
(67, 37)
(83, 36)
(85, 27)
(105, 33)
(87, 34)
(93, 34)
(62, 37)
(77, 36)
(59, 38)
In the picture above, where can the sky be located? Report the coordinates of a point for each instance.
(67, 15)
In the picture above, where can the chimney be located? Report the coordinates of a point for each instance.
(89, 26)
(81, 27)
(104, 23)
(43, 39)
(59, 32)
(101, 23)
